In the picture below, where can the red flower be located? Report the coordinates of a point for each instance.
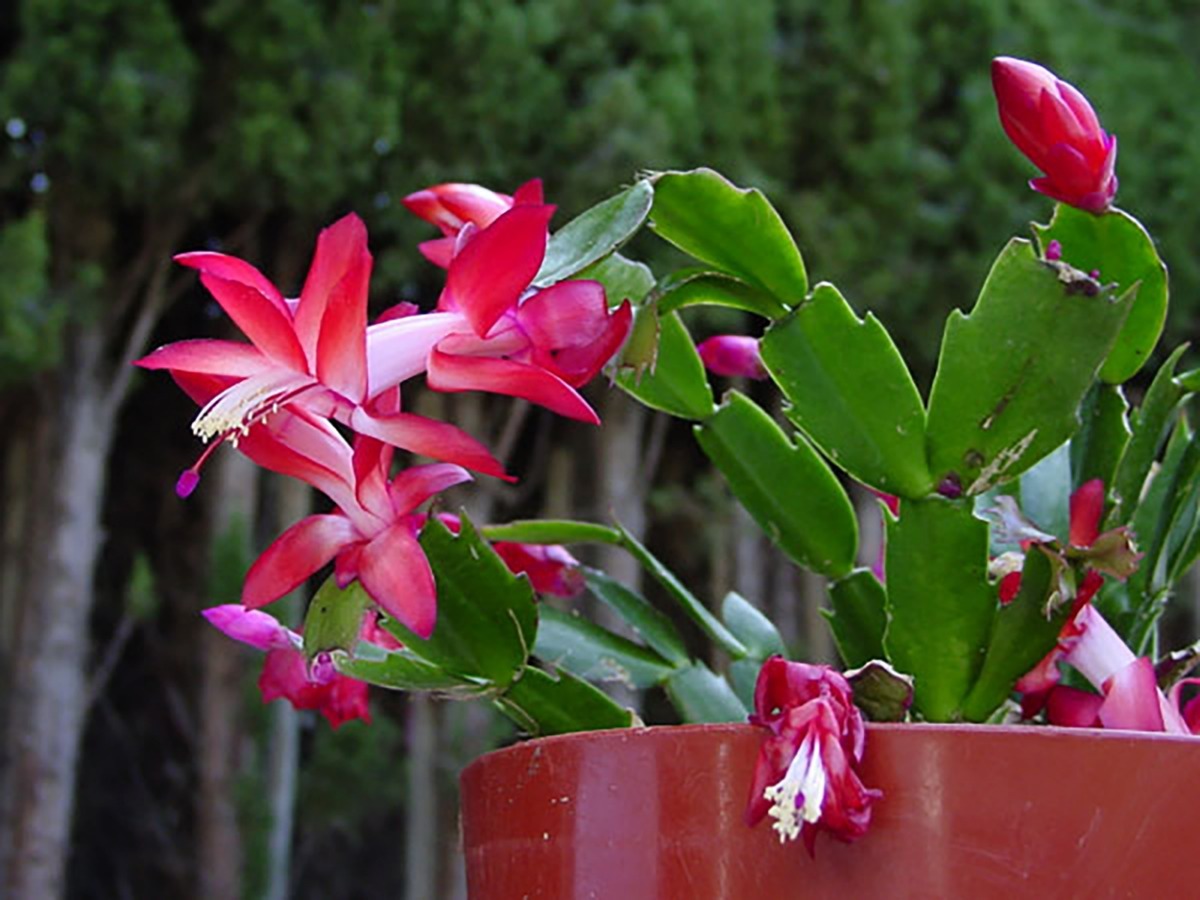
(311, 352)
(805, 777)
(1053, 124)
(510, 338)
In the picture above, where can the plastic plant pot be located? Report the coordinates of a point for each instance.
(978, 811)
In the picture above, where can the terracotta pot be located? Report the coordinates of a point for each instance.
(974, 812)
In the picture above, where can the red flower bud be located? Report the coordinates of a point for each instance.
(1053, 124)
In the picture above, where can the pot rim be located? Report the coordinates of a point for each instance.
(966, 731)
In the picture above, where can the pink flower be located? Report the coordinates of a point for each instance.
(338, 697)
(455, 206)
(1129, 696)
(732, 355)
(312, 352)
(509, 338)
(805, 776)
(1053, 124)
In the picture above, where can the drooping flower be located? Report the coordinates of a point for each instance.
(1053, 124)
(732, 355)
(805, 777)
(285, 673)
(312, 352)
(511, 338)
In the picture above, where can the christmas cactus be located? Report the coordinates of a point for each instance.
(1036, 520)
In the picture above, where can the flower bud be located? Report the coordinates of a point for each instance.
(732, 355)
(1053, 124)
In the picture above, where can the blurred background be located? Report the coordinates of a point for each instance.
(137, 759)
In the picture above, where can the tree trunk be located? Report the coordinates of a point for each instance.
(47, 703)
(233, 481)
(421, 812)
(283, 759)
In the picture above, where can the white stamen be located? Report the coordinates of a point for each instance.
(241, 405)
(805, 778)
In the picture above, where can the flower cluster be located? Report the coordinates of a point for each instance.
(314, 369)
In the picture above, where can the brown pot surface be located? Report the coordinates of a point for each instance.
(974, 812)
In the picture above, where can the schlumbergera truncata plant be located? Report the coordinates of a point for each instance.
(1035, 522)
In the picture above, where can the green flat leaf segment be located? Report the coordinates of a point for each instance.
(654, 627)
(487, 620)
(557, 702)
(1116, 245)
(623, 279)
(939, 602)
(676, 383)
(596, 654)
(595, 234)
(717, 289)
(787, 488)
(857, 617)
(403, 670)
(1151, 424)
(1022, 634)
(334, 618)
(701, 695)
(1012, 374)
(751, 627)
(734, 230)
(851, 393)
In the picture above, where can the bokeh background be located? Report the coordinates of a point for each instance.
(134, 129)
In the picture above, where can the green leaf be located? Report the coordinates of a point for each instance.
(559, 703)
(751, 627)
(687, 601)
(1161, 505)
(623, 279)
(735, 230)
(334, 618)
(1189, 380)
(1012, 374)
(940, 604)
(701, 288)
(701, 695)
(1151, 425)
(851, 393)
(596, 654)
(595, 234)
(552, 531)
(858, 617)
(655, 628)
(1103, 435)
(1021, 635)
(1046, 493)
(402, 670)
(743, 677)
(487, 620)
(1118, 246)
(676, 383)
(787, 488)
